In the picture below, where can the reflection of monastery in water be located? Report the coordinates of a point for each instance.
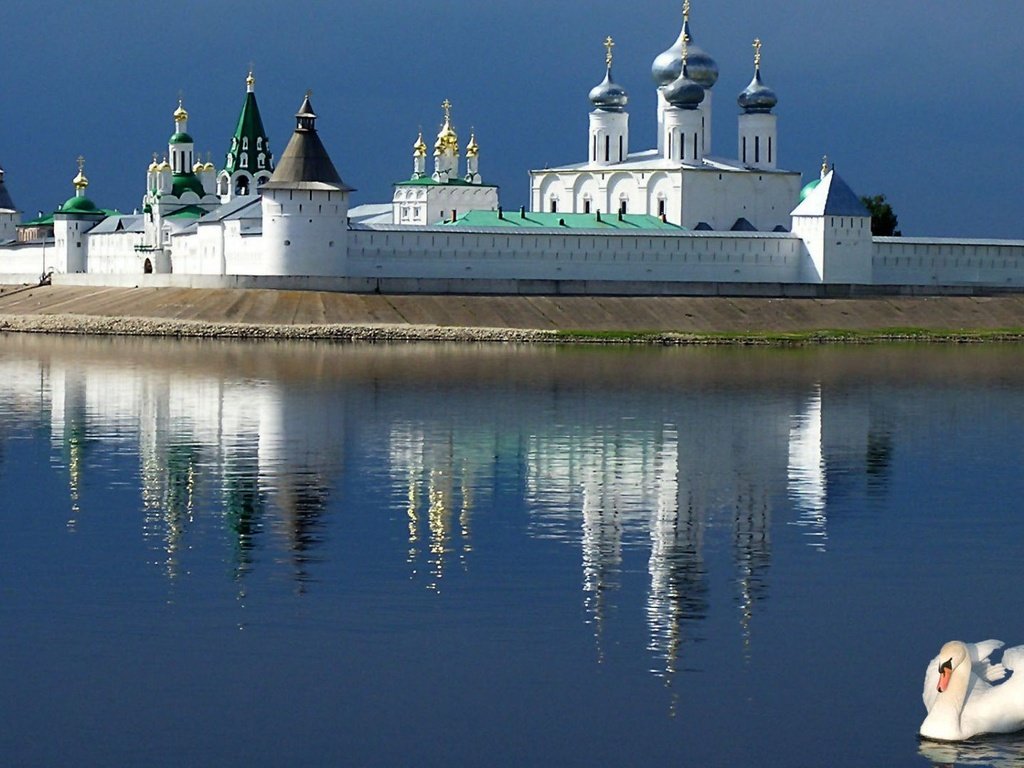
(639, 481)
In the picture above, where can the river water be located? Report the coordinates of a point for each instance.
(229, 553)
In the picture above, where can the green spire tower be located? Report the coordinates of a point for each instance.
(249, 162)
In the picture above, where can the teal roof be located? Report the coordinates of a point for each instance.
(629, 221)
(808, 188)
(78, 204)
(180, 138)
(39, 221)
(188, 212)
(428, 181)
(184, 182)
(251, 138)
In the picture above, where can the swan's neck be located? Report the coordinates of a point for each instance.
(943, 722)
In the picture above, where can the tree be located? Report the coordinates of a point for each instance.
(883, 219)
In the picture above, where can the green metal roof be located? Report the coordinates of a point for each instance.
(39, 221)
(180, 138)
(184, 182)
(629, 221)
(78, 204)
(188, 212)
(250, 128)
(428, 181)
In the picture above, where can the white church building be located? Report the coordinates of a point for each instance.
(676, 218)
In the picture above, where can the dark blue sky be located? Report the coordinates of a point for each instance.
(921, 101)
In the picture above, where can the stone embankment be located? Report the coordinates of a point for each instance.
(274, 314)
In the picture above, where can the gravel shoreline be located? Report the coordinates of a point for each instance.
(77, 324)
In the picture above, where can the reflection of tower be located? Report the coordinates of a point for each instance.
(437, 473)
(752, 550)
(679, 590)
(807, 487)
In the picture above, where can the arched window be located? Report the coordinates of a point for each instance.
(242, 186)
(243, 160)
(261, 160)
(259, 142)
(622, 205)
(554, 205)
(245, 142)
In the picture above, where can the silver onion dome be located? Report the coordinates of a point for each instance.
(668, 66)
(684, 92)
(609, 96)
(757, 97)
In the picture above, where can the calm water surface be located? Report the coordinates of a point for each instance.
(266, 554)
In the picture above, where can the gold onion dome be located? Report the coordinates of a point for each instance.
(472, 149)
(198, 167)
(447, 138)
(180, 115)
(80, 181)
(164, 165)
(154, 166)
(419, 149)
(208, 166)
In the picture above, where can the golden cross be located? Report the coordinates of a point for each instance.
(757, 53)
(824, 165)
(608, 44)
(81, 163)
(686, 10)
(447, 107)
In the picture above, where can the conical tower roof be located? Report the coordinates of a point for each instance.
(249, 137)
(6, 203)
(305, 164)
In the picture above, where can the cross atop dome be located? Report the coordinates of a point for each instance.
(608, 44)
(757, 52)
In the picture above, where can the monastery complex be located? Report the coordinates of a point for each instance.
(673, 217)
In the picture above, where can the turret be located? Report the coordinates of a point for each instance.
(71, 221)
(305, 207)
(419, 158)
(181, 147)
(249, 162)
(758, 130)
(703, 70)
(682, 122)
(446, 149)
(473, 160)
(609, 122)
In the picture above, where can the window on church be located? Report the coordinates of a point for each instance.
(607, 148)
(245, 142)
(586, 205)
(744, 149)
(261, 160)
(757, 149)
(695, 146)
(621, 146)
(661, 206)
(554, 205)
(593, 153)
(622, 205)
(769, 149)
(259, 142)
(243, 160)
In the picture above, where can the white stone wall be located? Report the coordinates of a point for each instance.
(304, 232)
(426, 204)
(549, 255)
(35, 259)
(8, 221)
(114, 253)
(936, 261)
(690, 195)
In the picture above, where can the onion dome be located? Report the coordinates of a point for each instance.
(164, 165)
(154, 166)
(180, 115)
(608, 96)
(79, 203)
(757, 97)
(472, 149)
(419, 149)
(447, 138)
(198, 167)
(668, 66)
(684, 92)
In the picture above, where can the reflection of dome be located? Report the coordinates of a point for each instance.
(683, 92)
(668, 66)
(609, 96)
(757, 97)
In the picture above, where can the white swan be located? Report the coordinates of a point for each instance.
(960, 696)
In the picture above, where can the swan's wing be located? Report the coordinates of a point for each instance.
(980, 664)
(1013, 659)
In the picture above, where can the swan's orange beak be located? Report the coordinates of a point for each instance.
(945, 672)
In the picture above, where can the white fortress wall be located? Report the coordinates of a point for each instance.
(547, 254)
(939, 261)
(29, 259)
(115, 253)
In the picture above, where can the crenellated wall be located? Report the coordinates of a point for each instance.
(938, 261)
